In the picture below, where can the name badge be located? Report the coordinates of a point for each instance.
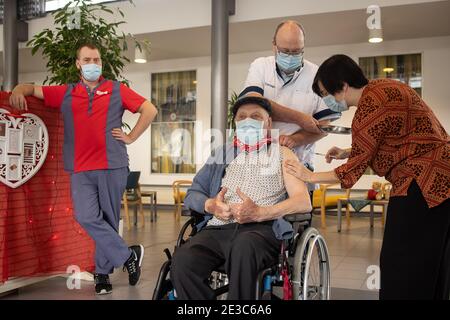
(101, 93)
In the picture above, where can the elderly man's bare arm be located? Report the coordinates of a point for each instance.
(298, 200)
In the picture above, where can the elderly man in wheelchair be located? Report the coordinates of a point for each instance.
(251, 214)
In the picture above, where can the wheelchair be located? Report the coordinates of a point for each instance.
(302, 271)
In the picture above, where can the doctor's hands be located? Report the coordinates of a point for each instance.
(218, 207)
(308, 123)
(337, 153)
(287, 141)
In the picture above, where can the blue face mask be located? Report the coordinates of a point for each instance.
(336, 106)
(249, 131)
(91, 72)
(289, 63)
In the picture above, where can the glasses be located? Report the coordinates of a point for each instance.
(290, 53)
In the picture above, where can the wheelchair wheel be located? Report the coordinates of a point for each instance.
(311, 268)
(163, 284)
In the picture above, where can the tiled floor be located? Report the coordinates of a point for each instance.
(352, 252)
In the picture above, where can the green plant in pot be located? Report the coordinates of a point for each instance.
(230, 123)
(77, 23)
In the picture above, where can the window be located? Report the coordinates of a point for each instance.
(406, 68)
(52, 5)
(173, 141)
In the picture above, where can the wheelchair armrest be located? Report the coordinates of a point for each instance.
(194, 220)
(298, 217)
(197, 216)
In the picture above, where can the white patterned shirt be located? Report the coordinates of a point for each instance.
(259, 175)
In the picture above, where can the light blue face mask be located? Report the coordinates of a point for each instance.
(249, 131)
(91, 72)
(336, 106)
(289, 63)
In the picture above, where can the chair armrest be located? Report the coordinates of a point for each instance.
(325, 187)
(298, 217)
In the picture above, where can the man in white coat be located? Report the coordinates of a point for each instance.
(286, 79)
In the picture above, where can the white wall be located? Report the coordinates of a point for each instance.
(163, 15)
(139, 75)
(436, 79)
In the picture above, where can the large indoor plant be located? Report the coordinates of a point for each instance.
(81, 22)
(230, 123)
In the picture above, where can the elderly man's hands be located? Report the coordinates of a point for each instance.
(247, 211)
(218, 207)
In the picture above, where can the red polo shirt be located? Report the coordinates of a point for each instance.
(89, 117)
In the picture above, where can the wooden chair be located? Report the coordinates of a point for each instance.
(323, 201)
(132, 196)
(386, 189)
(179, 195)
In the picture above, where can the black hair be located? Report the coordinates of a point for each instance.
(336, 70)
(262, 102)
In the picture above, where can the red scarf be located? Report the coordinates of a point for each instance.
(245, 147)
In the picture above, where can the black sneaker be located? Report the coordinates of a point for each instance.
(133, 264)
(102, 284)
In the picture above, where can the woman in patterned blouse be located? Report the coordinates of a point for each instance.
(396, 134)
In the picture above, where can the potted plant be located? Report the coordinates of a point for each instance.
(78, 22)
(230, 122)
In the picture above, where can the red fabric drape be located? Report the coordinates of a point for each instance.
(38, 232)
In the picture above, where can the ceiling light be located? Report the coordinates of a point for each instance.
(140, 56)
(375, 35)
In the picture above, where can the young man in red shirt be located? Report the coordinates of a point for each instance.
(95, 155)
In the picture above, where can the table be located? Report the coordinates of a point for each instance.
(153, 203)
(372, 203)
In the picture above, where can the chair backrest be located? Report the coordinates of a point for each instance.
(177, 185)
(133, 180)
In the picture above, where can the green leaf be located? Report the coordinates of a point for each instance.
(58, 46)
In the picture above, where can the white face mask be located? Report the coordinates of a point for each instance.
(289, 63)
(249, 131)
(336, 106)
(91, 72)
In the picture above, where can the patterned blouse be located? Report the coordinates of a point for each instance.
(399, 137)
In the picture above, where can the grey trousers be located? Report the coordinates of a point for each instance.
(97, 198)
